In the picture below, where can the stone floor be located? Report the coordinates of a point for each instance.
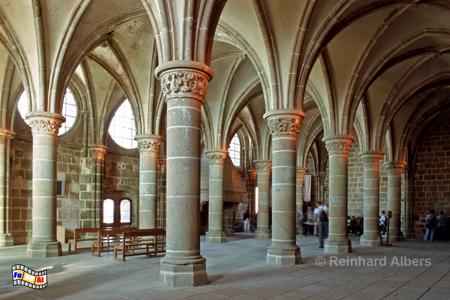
(237, 270)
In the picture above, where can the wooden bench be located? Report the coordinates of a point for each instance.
(106, 239)
(150, 242)
(82, 235)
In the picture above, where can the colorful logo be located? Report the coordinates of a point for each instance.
(22, 275)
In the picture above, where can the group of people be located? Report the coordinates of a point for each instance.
(436, 227)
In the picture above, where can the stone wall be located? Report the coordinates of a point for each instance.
(432, 176)
(21, 182)
(122, 179)
(68, 173)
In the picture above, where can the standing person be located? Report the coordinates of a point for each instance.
(430, 226)
(246, 221)
(441, 230)
(322, 219)
(383, 222)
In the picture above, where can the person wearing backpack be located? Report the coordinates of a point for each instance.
(430, 226)
(322, 222)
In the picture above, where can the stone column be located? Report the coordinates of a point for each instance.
(44, 127)
(395, 170)
(91, 195)
(5, 227)
(215, 232)
(263, 183)
(321, 186)
(371, 196)
(299, 196)
(161, 206)
(284, 127)
(409, 192)
(338, 151)
(184, 85)
(148, 179)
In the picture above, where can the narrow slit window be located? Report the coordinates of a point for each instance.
(125, 211)
(234, 150)
(108, 211)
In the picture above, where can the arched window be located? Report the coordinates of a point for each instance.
(108, 211)
(122, 128)
(234, 150)
(69, 110)
(125, 211)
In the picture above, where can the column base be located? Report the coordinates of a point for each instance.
(6, 240)
(288, 255)
(215, 237)
(369, 240)
(338, 246)
(44, 249)
(263, 234)
(175, 275)
(396, 236)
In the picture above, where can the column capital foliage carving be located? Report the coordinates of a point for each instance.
(338, 146)
(372, 157)
(97, 152)
(395, 166)
(302, 171)
(184, 79)
(148, 143)
(284, 122)
(7, 133)
(44, 122)
(263, 165)
(216, 156)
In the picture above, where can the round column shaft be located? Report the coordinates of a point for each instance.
(90, 207)
(184, 85)
(338, 151)
(395, 170)
(215, 232)
(299, 196)
(284, 127)
(263, 183)
(148, 180)
(5, 230)
(44, 127)
(371, 197)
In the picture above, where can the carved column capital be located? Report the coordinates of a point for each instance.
(302, 171)
(184, 79)
(372, 157)
(395, 167)
(97, 152)
(263, 165)
(5, 133)
(45, 122)
(338, 145)
(216, 157)
(149, 143)
(284, 122)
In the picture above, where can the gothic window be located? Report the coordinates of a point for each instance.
(116, 212)
(234, 150)
(125, 211)
(69, 110)
(108, 211)
(122, 128)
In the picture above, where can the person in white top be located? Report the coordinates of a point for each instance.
(321, 212)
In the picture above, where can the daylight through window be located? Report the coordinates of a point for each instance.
(122, 128)
(235, 150)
